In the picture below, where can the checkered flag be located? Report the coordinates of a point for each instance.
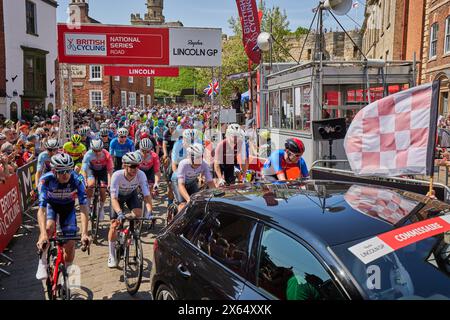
(395, 135)
(379, 203)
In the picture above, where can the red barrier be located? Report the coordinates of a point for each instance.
(10, 210)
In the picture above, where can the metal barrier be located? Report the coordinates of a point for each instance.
(412, 185)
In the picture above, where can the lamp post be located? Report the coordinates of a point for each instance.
(264, 42)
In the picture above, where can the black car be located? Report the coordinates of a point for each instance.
(316, 240)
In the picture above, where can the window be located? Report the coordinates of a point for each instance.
(123, 99)
(149, 100)
(288, 271)
(187, 222)
(274, 111)
(96, 98)
(31, 17)
(35, 73)
(130, 79)
(306, 108)
(447, 36)
(149, 81)
(309, 54)
(142, 100)
(287, 109)
(95, 73)
(117, 78)
(226, 238)
(433, 40)
(132, 99)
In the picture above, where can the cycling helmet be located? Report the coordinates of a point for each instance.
(144, 135)
(264, 134)
(62, 162)
(161, 123)
(195, 151)
(83, 131)
(132, 158)
(76, 139)
(169, 118)
(172, 124)
(234, 130)
(122, 132)
(146, 144)
(295, 145)
(51, 144)
(145, 129)
(190, 136)
(55, 118)
(96, 145)
(104, 132)
(112, 126)
(103, 125)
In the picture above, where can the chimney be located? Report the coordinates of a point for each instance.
(79, 9)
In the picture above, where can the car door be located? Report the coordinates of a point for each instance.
(287, 270)
(215, 269)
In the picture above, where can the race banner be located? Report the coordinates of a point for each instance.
(27, 184)
(132, 71)
(10, 211)
(113, 45)
(248, 13)
(140, 46)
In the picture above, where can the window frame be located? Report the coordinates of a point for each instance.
(149, 81)
(142, 100)
(149, 100)
(434, 29)
(447, 36)
(39, 74)
(91, 71)
(130, 94)
(35, 25)
(91, 100)
(124, 94)
(130, 79)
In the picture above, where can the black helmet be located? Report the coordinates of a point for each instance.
(295, 145)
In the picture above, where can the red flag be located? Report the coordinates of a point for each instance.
(395, 135)
(248, 13)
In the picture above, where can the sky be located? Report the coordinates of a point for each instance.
(204, 13)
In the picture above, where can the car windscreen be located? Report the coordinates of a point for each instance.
(420, 270)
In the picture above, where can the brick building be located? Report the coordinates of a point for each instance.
(2, 60)
(154, 16)
(436, 48)
(91, 88)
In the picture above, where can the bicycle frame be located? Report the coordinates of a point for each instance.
(59, 260)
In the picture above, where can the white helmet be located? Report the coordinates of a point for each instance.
(190, 135)
(172, 124)
(112, 126)
(103, 125)
(62, 162)
(234, 130)
(122, 132)
(146, 144)
(132, 158)
(51, 144)
(96, 145)
(196, 150)
(83, 131)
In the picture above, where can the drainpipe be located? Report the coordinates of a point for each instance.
(405, 29)
(421, 43)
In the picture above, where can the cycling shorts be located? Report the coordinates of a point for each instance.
(191, 189)
(117, 163)
(101, 175)
(131, 200)
(150, 174)
(67, 217)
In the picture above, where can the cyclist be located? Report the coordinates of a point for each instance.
(112, 131)
(97, 164)
(120, 146)
(158, 133)
(276, 166)
(190, 136)
(124, 184)
(231, 155)
(150, 164)
(76, 150)
(170, 136)
(104, 136)
(188, 172)
(44, 163)
(57, 209)
(85, 138)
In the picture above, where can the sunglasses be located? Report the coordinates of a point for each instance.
(122, 137)
(63, 172)
(52, 150)
(105, 137)
(294, 155)
(134, 166)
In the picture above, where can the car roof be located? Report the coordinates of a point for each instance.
(330, 212)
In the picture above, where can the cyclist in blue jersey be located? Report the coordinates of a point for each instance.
(104, 136)
(158, 133)
(43, 163)
(58, 190)
(281, 160)
(84, 132)
(119, 147)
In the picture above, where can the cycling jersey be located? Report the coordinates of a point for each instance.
(51, 191)
(94, 162)
(112, 135)
(119, 150)
(170, 139)
(149, 161)
(87, 142)
(188, 175)
(158, 132)
(230, 153)
(276, 164)
(43, 163)
(178, 152)
(120, 186)
(75, 152)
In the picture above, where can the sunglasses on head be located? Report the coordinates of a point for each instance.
(133, 166)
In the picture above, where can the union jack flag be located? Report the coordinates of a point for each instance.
(212, 88)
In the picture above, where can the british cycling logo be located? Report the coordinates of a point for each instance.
(81, 44)
(71, 46)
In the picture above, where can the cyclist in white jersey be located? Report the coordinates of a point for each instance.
(124, 185)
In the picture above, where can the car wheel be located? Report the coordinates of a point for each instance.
(165, 293)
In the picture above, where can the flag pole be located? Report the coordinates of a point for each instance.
(433, 137)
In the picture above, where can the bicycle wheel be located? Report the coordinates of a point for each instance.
(172, 211)
(95, 218)
(62, 287)
(133, 266)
